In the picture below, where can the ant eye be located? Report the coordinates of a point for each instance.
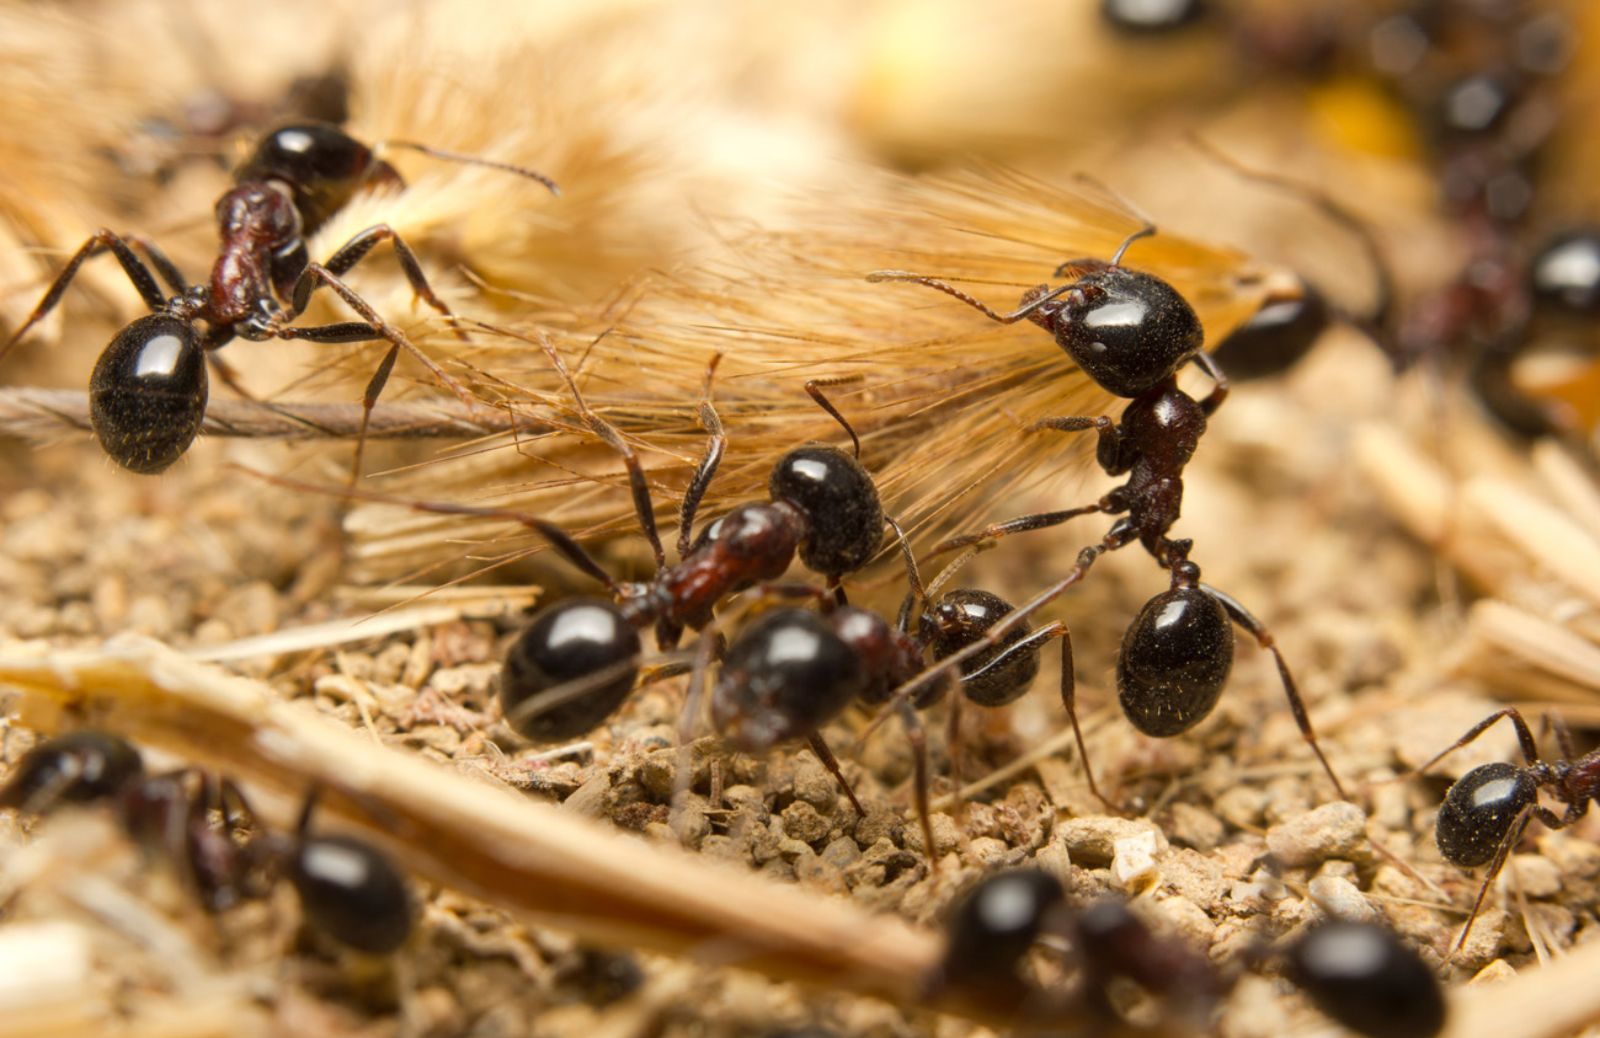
(1175, 659)
(1132, 334)
(1479, 810)
(147, 394)
(844, 518)
(566, 643)
(1362, 976)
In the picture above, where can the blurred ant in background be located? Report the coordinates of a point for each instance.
(202, 826)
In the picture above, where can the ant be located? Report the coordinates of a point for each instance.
(1359, 974)
(1131, 332)
(1000, 919)
(1486, 810)
(348, 889)
(148, 390)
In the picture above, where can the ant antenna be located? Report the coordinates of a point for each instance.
(1118, 197)
(474, 160)
(1383, 295)
(814, 389)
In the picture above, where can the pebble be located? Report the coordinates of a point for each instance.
(1242, 806)
(1342, 899)
(803, 822)
(984, 852)
(1092, 841)
(1195, 877)
(945, 834)
(1188, 920)
(1494, 973)
(1194, 827)
(1133, 862)
(815, 786)
(1333, 830)
(1535, 875)
(878, 825)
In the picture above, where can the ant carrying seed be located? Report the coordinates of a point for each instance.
(1486, 810)
(148, 390)
(1131, 332)
(202, 824)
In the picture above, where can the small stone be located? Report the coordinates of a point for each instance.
(841, 853)
(744, 798)
(1494, 973)
(878, 825)
(1483, 943)
(1537, 876)
(1191, 826)
(945, 835)
(1333, 830)
(1133, 862)
(1092, 841)
(1188, 920)
(1194, 876)
(1342, 899)
(984, 852)
(815, 786)
(1242, 807)
(802, 821)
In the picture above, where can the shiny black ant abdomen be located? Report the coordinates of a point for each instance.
(149, 389)
(1361, 975)
(1486, 810)
(348, 889)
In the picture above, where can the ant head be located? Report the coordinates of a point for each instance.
(889, 656)
(79, 767)
(785, 676)
(995, 924)
(147, 394)
(258, 214)
(1479, 811)
(1175, 659)
(964, 616)
(1128, 330)
(1151, 17)
(1362, 976)
(321, 165)
(352, 892)
(844, 518)
(567, 642)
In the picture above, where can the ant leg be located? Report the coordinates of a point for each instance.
(165, 267)
(950, 290)
(814, 390)
(1069, 700)
(917, 736)
(102, 240)
(1109, 452)
(357, 248)
(1530, 748)
(952, 742)
(716, 444)
(559, 539)
(829, 761)
(643, 507)
(1297, 706)
(1501, 854)
(1207, 363)
(1120, 535)
(1022, 524)
(693, 698)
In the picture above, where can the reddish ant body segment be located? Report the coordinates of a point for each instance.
(1131, 332)
(148, 390)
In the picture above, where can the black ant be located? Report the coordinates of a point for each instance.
(202, 823)
(148, 390)
(1361, 975)
(1131, 332)
(999, 920)
(1486, 810)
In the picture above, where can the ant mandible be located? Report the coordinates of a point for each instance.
(1486, 810)
(348, 889)
(148, 390)
(1131, 332)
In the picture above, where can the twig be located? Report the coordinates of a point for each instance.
(36, 414)
(523, 855)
